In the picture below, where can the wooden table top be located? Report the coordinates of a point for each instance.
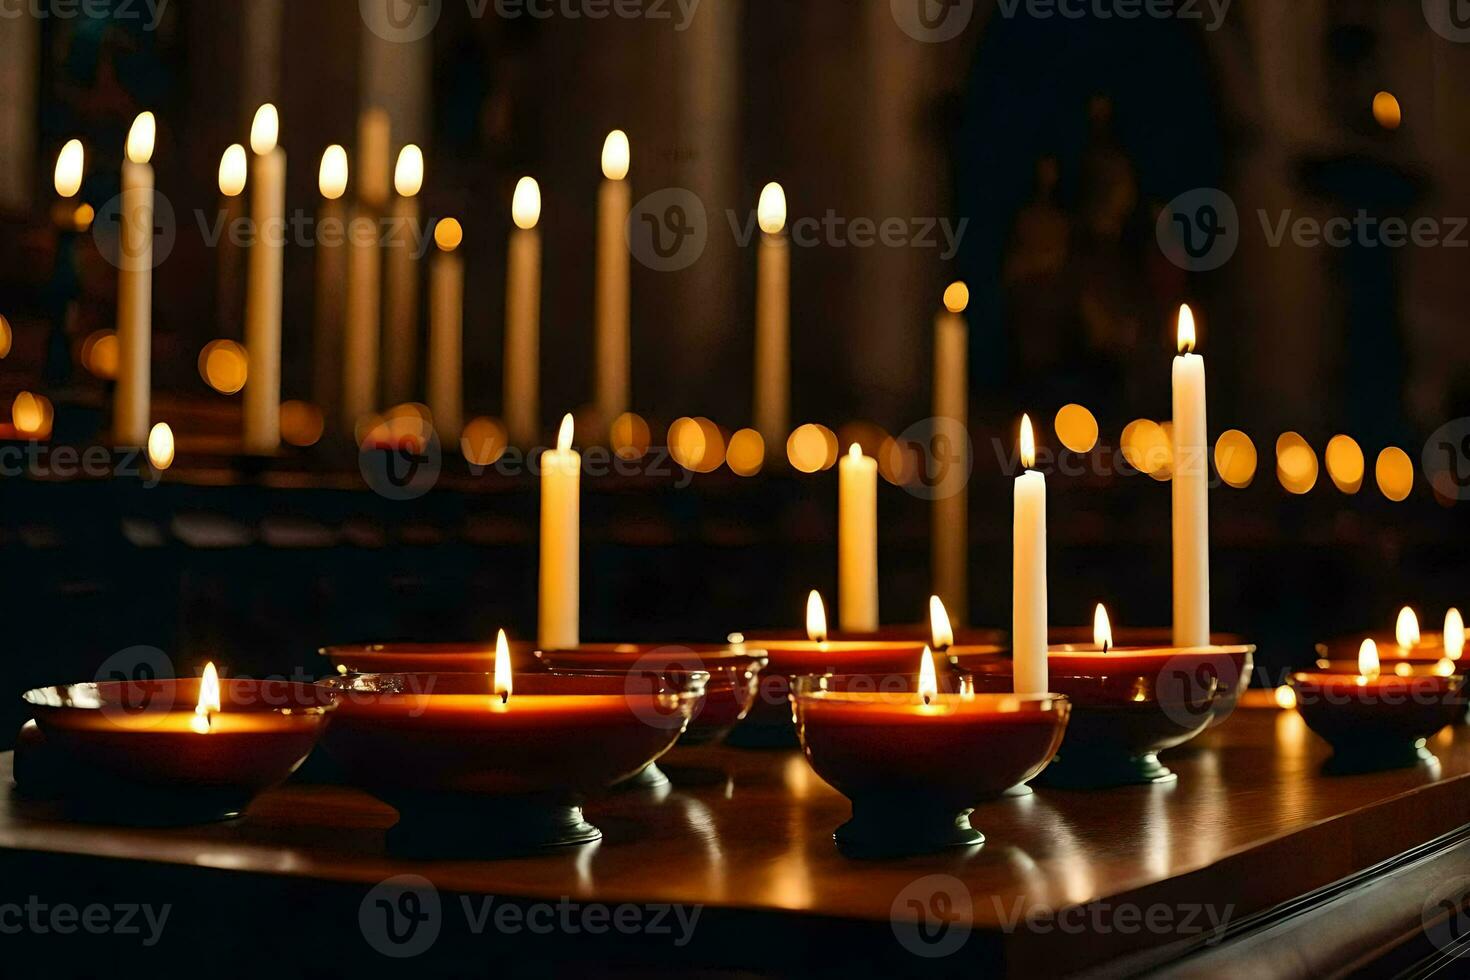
(1250, 824)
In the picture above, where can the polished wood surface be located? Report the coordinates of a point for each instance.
(1250, 824)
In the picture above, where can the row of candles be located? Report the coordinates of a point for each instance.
(368, 296)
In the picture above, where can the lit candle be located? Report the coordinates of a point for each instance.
(446, 332)
(130, 405)
(374, 133)
(950, 520)
(362, 319)
(1191, 493)
(233, 170)
(1028, 600)
(773, 320)
(857, 542)
(70, 167)
(263, 295)
(1454, 634)
(614, 201)
(400, 281)
(941, 630)
(504, 682)
(1406, 630)
(523, 318)
(331, 274)
(561, 488)
(1102, 629)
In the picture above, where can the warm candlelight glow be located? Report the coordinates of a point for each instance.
(503, 683)
(957, 297)
(265, 130)
(928, 680)
(161, 446)
(771, 211)
(69, 165)
(1285, 698)
(615, 155)
(408, 176)
(448, 234)
(1102, 629)
(1454, 634)
(224, 365)
(31, 415)
(1368, 659)
(332, 177)
(1406, 630)
(1386, 111)
(208, 700)
(1445, 667)
(941, 633)
(1186, 329)
(525, 207)
(233, 171)
(816, 618)
(1028, 443)
(565, 433)
(141, 137)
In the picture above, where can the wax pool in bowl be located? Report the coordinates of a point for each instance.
(1382, 722)
(469, 770)
(445, 658)
(137, 751)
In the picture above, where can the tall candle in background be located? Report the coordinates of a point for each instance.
(950, 517)
(1029, 593)
(331, 275)
(857, 542)
(446, 332)
(523, 318)
(361, 320)
(130, 405)
(374, 151)
(401, 281)
(614, 345)
(1191, 493)
(234, 167)
(561, 487)
(263, 296)
(773, 320)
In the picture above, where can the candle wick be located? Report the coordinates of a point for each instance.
(505, 697)
(926, 700)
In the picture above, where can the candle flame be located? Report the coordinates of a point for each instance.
(941, 632)
(957, 297)
(855, 451)
(503, 683)
(816, 618)
(161, 446)
(448, 234)
(265, 129)
(771, 211)
(525, 207)
(1368, 665)
(1406, 630)
(209, 702)
(615, 155)
(1028, 443)
(1285, 698)
(408, 175)
(565, 433)
(1186, 329)
(332, 177)
(928, 679)
(1454, 634)
(69, 166)
(1445, 667)
(232, 171)
(1102, 629)
(141, 137)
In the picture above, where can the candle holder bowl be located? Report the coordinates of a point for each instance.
(1344, 650)
(1385, 726)
(473, 775)
(915, 781)
(425, 658)
(123, 751)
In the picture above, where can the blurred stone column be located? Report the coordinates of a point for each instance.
(20, 50)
